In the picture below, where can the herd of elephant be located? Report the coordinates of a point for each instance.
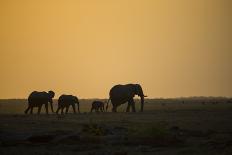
(119, 94)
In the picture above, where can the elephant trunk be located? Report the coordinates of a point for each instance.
(52, 107)
(142, 102)
(78, 107)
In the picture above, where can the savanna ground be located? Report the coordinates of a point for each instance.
(167, 126)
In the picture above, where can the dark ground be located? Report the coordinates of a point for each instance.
(163, 129)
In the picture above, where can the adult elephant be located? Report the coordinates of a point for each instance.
(120, 94)
(37, 99)
(65, 101)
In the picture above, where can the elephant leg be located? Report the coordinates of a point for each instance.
(114, 104)
(132, 103)
(31, 111)
(74, 108)
(78, 107)
(39, 109)
(101, 109)
(67, 108)
(58, 109)
(26, 111)
(128, 107)
(114, 109)
(46, 107)
(91, 109)
(62, 110)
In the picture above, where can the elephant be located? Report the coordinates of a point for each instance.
(96, 105)
(120, 94)
(37, 99)
(65, 101)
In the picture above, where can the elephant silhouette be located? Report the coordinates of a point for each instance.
(65, 101)
(120, 94)
(37, 99)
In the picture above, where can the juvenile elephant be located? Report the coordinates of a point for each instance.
(37, 99)
(65, 101)
(120, 94)
(96, 105)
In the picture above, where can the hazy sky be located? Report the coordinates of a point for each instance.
(83, 47)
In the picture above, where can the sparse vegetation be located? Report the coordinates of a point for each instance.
(176, 128)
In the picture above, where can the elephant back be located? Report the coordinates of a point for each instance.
(97, 103)
(67, 99)
(38, 96)
(122, 91)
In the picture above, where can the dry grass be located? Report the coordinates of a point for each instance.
(173, 128)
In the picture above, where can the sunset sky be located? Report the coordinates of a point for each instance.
(173, 48)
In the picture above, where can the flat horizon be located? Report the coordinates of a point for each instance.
(186, 97)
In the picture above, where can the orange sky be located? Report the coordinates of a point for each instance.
(83, 47)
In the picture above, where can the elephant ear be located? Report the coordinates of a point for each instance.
(76, 99)
(137, 87)
(139, 90)
(51, 93)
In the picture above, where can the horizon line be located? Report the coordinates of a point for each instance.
(180, 97)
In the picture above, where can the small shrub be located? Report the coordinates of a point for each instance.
(94, 129)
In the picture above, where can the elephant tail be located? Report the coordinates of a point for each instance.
(107, 104)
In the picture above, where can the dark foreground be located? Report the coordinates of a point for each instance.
(183, 131)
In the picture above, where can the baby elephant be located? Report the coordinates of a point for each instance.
(96, 105)
(65, 101)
